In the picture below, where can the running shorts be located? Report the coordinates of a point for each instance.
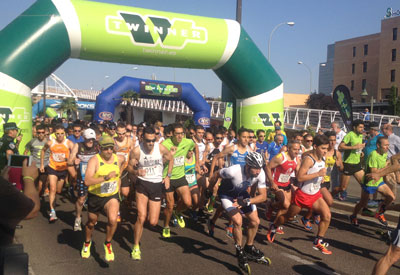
(150, 189)
(176, 183)
(96, 204)
(304, 200)
(59, 174)
(351, 169)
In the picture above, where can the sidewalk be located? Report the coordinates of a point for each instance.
(353, 196)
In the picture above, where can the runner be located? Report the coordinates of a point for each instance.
(276, 146)
(311, 173)
(190, 174)
(179, 147)
(147, 162)
(60, 149)
(102, 178)
(376, 160)
(279, 171)
(235, 199)
(81, 153)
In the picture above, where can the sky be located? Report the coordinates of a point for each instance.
(317, 24)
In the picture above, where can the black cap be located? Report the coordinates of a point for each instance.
(10, 126)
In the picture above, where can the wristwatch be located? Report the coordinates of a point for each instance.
(106, 178)
(169, 175)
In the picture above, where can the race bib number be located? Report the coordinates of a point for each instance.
(108, 187)
(59, 157)
(179, 161)
(317, 185)
(151, 171)
(284, 178)
(191, 178)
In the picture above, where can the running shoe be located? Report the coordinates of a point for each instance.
(306, 223)
(210, 208)
(53, 216)
(317, 219)
(367, 212)
(163, 203)
(136, 254)
(85, 252)
(321, 246)
(78, 224)
(174, 222)
(166, 233)
(271, 234)
(354, 221)
(109, 252)
(280, 231)
(46, 192)
(211, 227)
(119, 217)
(381, 218)
(179, 218)
(229, 231)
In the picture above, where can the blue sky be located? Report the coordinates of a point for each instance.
(317, 24)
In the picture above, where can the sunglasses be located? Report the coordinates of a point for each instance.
(77, 131)
(219, 138)
(150, 140)
(39, 132)
(107, 148)
(261, 136)
(251, 136)
(121, 134)
(309, 140)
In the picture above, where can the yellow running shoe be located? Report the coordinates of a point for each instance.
(179, 218)
(166, 233)
(136, 254)
(109, 252)
(85, 252)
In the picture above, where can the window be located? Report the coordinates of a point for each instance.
(353, 68)
(392, 75)
(366, 49)
(352, 85)
(364, 67)
(394, 34)
(393, 54)
(363, 84)
(354, 51)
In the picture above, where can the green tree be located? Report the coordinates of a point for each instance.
(394, 101)
(128, 97)
(69, 106)
(320, 101)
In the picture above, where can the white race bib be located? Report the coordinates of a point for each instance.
(284, 178)
(108, 187)
(179, 161)
(151, 171)
(317, 185)
(59, 157)
(190, 178)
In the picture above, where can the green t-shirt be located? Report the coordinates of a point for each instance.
(352, 156)
(179, 157)
(375, 160)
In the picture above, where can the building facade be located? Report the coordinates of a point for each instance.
(369, 63)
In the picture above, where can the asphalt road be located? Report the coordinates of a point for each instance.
(55, 248)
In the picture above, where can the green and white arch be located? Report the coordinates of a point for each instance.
(51, 31)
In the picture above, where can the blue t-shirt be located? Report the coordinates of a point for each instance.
(238, 158)
(262, 147)
(274, 149)
(370, 145)
(74, 140)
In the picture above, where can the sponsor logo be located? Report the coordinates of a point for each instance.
(266, 118)
(151, 30)
(106, 116)
(16, 114)
(161, 89)
(228, 119)
(204, 121)
(86, 106)
(391, 13)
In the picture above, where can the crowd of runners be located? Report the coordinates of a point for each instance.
(190, 171)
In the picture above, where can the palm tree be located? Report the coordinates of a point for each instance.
(69, 106)
(128, 98)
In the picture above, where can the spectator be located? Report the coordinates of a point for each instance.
(394, 140)
(278, 130)
(276, 146)
(7, 145)
(76, 134)
(261, 144)
(366, 114)
(339, 134)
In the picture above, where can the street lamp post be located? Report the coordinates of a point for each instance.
(291, 24)
(364, 94)
(309, 69)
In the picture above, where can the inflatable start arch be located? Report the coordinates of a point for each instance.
(51, 31)
(110, 98)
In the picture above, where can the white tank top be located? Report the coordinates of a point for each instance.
(312, 187)
(152, 164)
(202, 147)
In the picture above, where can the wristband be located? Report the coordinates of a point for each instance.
(28, 178)
(106, 178)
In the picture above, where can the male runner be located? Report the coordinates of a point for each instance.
(102, 178)
(235, 199)
(311, 173)
(147, 162)
(376, 160)
(279, 171)
(60, 149)
(78, 160)
(179, 147)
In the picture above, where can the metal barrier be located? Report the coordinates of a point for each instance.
(301, 118)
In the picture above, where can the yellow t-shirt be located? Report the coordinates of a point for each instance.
(110, 187)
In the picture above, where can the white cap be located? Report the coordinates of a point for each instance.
(89, 133)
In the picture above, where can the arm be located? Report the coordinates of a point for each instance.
(275, 162)
(261, 197)
(73, 160)
(42, 153)
(339, 161)
(134, 157)
(197, 165)
(167, 156)
(228, 150)
(29, 172)
(344, 147)
(90, 172)
(306, 164)
(213, 180)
